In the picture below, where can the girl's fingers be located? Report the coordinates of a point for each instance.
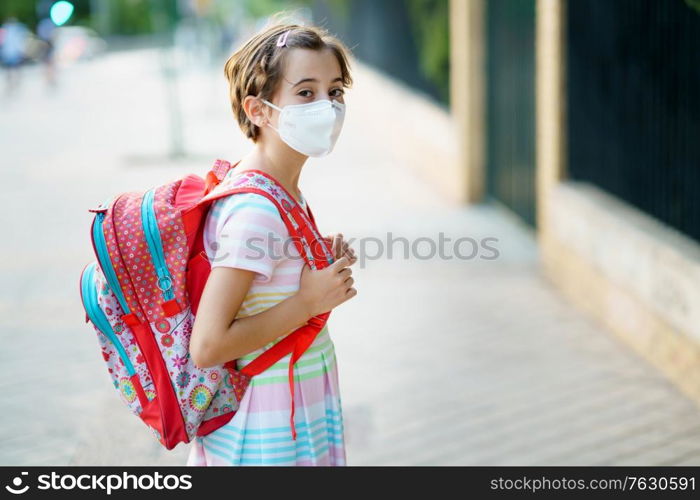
(339, 264)
(338, 245)
(332, 242)
(350, 254)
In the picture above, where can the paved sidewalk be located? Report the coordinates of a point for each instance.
(468, 362)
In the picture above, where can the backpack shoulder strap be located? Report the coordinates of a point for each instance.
(217, 173)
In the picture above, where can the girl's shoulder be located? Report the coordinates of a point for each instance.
(243, 206)
(248, 204)
(245, 215)
(238, 227)
(244, 202)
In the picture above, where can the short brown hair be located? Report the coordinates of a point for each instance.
(257, 67)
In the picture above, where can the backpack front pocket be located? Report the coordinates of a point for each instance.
(124, 375)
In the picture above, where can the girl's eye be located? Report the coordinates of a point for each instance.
(333, 93)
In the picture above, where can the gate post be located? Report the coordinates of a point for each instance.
(467, 75)
(550, 102)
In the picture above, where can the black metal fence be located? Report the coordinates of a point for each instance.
(633, 83)
(510, 94)
(382, 34)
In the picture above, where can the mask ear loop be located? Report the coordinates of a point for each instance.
(269, 103)
(277, 108)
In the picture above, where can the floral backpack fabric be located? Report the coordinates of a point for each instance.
(142, 293)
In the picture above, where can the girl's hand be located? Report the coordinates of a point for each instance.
(340, 247)
(323, 289)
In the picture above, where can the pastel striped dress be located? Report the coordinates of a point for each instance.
(246, 231)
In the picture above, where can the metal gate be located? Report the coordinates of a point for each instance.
(510, 89)
(634, 104)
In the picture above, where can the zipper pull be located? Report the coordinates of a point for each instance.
(163, 277)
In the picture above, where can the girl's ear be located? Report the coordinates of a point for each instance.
(255, 111)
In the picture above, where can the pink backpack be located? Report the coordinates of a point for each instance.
(142, 293)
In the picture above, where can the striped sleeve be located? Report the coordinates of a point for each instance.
(245, 231)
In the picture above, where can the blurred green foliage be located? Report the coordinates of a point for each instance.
(135, 17)
(26, 11)
(126, 17)
(130, 17)
(21, 9)
(695, 4)
(263, 8)
(430, 25)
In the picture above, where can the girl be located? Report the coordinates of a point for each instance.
(286, 86)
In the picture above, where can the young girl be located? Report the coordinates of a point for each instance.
(286, 85)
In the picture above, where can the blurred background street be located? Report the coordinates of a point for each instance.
(513, 360)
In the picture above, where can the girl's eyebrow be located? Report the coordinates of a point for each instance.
(338, 79)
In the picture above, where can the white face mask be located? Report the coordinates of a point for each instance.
(311, 128)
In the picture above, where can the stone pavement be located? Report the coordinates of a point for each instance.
(446, 362)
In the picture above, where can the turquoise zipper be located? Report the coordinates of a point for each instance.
(89, 297)
(155, 245)
(98, 238)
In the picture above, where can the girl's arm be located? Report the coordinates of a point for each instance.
(216, 338)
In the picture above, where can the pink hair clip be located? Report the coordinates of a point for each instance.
(283, 38)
